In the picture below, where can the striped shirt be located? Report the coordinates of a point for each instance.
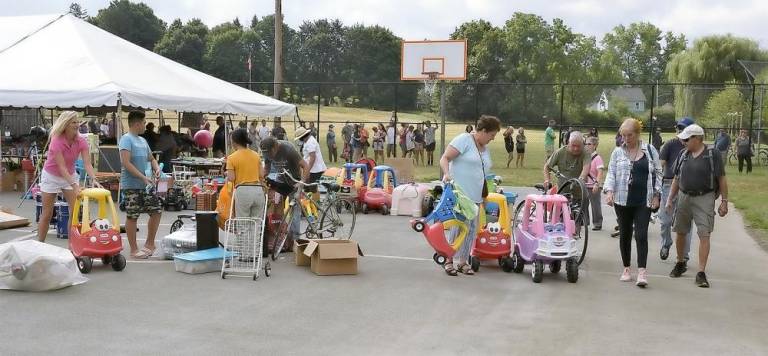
(619, 168)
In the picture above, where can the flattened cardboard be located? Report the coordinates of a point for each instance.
(8, 221)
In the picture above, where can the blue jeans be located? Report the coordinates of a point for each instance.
(666, 220)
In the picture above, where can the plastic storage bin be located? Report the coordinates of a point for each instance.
(203, 261)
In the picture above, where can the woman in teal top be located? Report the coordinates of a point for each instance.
(466, 161)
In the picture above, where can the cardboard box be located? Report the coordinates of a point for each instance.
(298, 250)
(332, 257)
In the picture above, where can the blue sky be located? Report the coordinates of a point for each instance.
(436, 19)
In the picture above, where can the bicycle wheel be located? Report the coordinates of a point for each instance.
(338, 220)
(763, 157)
(281, 235)
(310, 223)
(732, 158)
(578, 201)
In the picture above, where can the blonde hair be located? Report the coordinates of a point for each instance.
(631, 124)
(61, 123)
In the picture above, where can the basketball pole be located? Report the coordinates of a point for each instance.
(442, 128)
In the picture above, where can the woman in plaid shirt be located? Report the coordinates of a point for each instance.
(633, 188)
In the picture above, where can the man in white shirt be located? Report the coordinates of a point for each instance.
(391, 132)
(313, 155)
(264, 131)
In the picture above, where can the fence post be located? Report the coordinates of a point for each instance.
(562, 109)
(752, 118)
(653, 99)
(477, 101)
(396, 135)
(319, 92)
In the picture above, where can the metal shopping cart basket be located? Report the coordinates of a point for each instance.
(244, 239)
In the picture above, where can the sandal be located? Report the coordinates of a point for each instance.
(143, 254)
(449, 269)
(465, 268)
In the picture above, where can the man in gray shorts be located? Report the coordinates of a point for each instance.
(700, 179)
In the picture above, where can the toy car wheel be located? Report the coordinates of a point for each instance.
(118, 263)
(418, 226)
(223, 275)
(84, 264)
(555, 266)
(255, 276)
(537, 273)
(106, 260)
(384, 210)
(572, 270)
(439, 259)
(474, 262)
(517, 262)
(506, 264)
(267, 269)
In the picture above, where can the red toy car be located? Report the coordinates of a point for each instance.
(99, 239)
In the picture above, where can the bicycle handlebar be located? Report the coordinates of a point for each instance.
(299, 182)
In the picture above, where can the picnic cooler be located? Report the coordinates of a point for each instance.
(203, 261)
(182, 241)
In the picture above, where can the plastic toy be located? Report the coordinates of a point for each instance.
(435, 225)
(544, 234)
(407, 199)
(494, 239)
(99, 239)
(378, 194)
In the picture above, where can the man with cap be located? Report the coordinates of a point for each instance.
(667, 157)
(330, 140)
(310, 149)
(700, 180)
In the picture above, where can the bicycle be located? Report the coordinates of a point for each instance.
(578, 200)
(330, 223)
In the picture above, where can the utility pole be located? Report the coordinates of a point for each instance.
(278, 78)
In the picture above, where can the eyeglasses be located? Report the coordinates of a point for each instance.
(685, 139)
(589, 144)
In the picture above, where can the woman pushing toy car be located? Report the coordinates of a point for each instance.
(65, 145)
(466, 161)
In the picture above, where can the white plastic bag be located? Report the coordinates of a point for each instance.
(35, 266)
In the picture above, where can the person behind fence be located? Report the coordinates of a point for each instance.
(346, 136)
(466, 161)
(410, 141)
(429, 141)
(278, 131)
(364, 135)
(356, 143)
(668, 155)
(330, 141)
(264, 131)
(253, 134)
(699, 180)
(745, 150)
(633, 188)
(521, 142)
(723, 144)
(403, 138)
(509, 143)
(572, 161)
(549, 139)
(65, 146)
(391, 133)
(279, 156)
(136, 159)
(418, 145)
(244, 166)
(378, 143)
(594, 183)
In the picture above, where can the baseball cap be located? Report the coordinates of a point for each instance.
(692, 130)
(684, 122)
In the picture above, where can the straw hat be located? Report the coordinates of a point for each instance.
(300, 133)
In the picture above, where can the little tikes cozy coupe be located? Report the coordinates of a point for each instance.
(442, 219)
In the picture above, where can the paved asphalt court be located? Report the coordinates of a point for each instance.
(401, 303)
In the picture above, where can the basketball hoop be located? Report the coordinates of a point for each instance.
(430, 84)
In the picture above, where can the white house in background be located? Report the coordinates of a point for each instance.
(634, 98)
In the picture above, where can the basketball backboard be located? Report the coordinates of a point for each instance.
(446, 60)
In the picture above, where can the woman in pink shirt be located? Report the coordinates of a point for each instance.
(58, 175)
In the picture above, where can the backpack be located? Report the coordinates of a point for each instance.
(714, 184)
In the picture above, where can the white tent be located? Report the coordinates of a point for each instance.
(62, 61)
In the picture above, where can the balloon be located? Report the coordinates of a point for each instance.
(204, 139)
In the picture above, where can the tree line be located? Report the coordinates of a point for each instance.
(525, 49)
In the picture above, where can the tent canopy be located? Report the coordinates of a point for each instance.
(62, 61)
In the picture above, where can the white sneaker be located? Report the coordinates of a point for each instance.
(642, 277)
(626, 276)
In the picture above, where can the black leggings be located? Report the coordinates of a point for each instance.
(639, 216)
(743, 158)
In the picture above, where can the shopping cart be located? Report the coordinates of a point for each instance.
(245, 236)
